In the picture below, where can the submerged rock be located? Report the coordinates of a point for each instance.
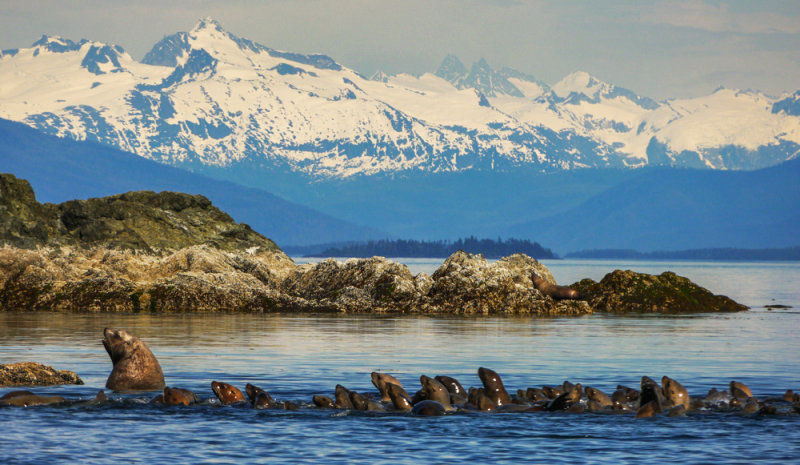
(631, 292)
(35, 374)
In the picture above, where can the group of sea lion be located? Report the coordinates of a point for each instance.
(137, 369)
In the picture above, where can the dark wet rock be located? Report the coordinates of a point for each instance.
(35, 374)
(631, 292)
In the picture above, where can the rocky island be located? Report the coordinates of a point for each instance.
(173, 252)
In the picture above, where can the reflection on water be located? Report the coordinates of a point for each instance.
(295, 357)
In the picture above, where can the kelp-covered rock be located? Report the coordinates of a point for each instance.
(145, 220)
(631, 292)
(35, 374)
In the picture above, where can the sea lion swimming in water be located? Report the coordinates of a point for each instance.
(135, 366)
(675, 393)
(554, 290)
(380, 380)
(493, 386)
(28, 399)
(436, 391)
(178, 396)
(226, 393)
(399, 396)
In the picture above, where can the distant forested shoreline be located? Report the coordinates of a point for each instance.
(411, 248)
(715, 254)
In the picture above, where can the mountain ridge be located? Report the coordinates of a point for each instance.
(207, 98)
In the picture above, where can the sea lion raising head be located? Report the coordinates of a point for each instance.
(135, 367)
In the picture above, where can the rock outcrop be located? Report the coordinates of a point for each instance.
(35, 374)
(171, 252)
(631, 292)
(145, 221)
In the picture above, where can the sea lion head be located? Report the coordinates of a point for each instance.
(135, 366)
(226, 393)
(675, 392)
(493, 386)
(435, 390)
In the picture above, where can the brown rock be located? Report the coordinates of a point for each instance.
(35, 374)
(631, 292)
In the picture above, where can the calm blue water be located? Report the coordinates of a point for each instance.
(296, 357)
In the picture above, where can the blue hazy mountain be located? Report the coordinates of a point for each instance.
(62, 169)
(676, 209)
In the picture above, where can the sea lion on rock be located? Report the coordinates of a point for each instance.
(135, 366)
(554, 290)
(493, 386)
(226, 393)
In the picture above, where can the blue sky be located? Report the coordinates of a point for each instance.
(661, 49)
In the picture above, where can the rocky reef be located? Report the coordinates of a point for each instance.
(35, 374)
(171, 252)
(631, 292)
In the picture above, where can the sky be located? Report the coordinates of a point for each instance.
(660, 49)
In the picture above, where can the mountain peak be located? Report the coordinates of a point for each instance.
(451, 69)
(207, 23)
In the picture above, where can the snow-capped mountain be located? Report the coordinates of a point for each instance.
(208, 98)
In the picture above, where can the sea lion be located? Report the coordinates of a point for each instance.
(651, 392)
(226, 393)
(380, 380)
(359, 401)
(259, 397)
(428, 408)
(493, 386)
(535, 394)
(562, 402)
(178, 396)
(399, 397)
(631, 394)
(554, 290)
(648, 410)
(323, 402)
(599, 397)
(342, 396)
(453, 386)
(135, 366)
(551, 392)
(740, 390)
(28, 399)
(436, 391)
(674, 392)
(677, 411)
(791, 396)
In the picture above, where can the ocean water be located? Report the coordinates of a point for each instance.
(296, 357)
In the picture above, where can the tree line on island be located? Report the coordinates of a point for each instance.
(411, 248)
